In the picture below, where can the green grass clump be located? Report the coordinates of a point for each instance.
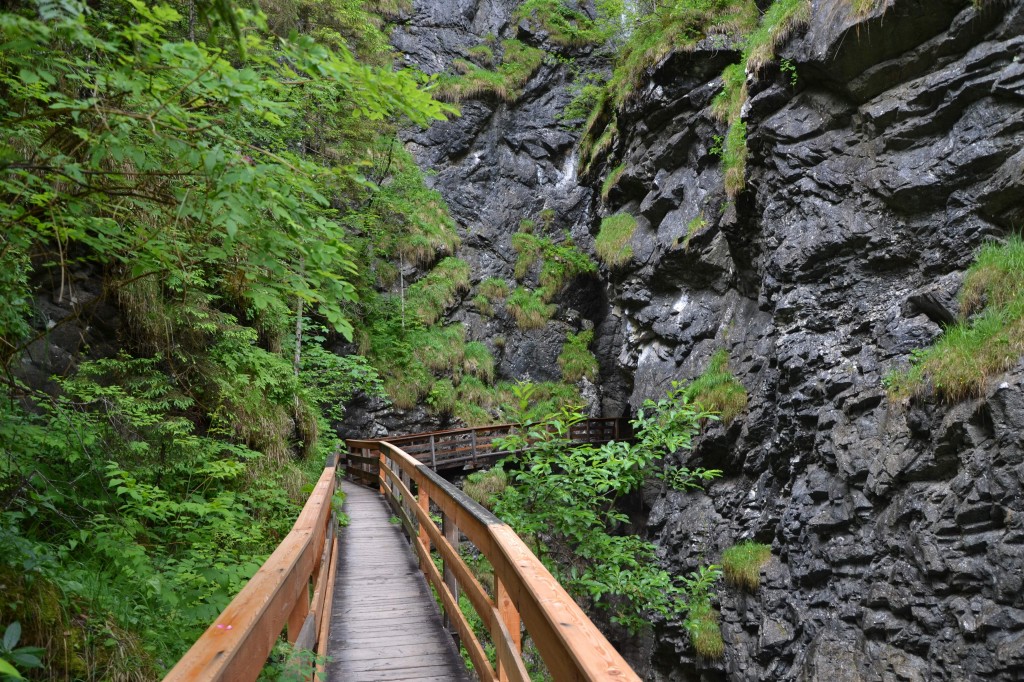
(692, 228)
(742, 563)
(442, 397)
(436, 291)
(482, 54)
(612, 243)
(483, 305)
(518, 64)
(478, 361)
(718, 390)
(441, 349)
(777, 25)
(529, 309)
(705, 633)
(576, 360)
(485, 486)
(610, 180)
(472, 414)
(560, 263)
(976, 348)
(494, 288)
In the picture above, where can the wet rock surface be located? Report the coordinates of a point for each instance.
(897, 529)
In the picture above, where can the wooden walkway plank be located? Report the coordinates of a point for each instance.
(385, 624)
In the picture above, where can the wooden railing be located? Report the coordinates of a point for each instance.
(473, 447)
(525, 594)
(235, 648)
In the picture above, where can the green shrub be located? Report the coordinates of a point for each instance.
(718, 390)
(612, 242)
(974, 349)
(529, 309)
(436, 291)
(742, 563)
(576, 360)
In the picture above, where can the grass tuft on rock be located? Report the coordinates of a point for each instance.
(742, 563)
(718, 390)
(485, 486)
(989, 338)
(576, 360)
(612, 242)
(529, 309)
(705, 633)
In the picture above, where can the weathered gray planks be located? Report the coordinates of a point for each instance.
(385, 624)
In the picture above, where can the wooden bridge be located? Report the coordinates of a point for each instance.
(354, 604)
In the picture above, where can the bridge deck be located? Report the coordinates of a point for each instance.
(385, 624)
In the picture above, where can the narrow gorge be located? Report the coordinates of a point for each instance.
(883, 155)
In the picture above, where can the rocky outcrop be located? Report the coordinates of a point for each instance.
(897, 530)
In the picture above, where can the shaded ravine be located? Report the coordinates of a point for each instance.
(896, 528)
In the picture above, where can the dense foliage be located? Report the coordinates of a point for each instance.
(564, 500)
(220, 183)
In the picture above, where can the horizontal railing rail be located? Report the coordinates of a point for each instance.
(473, 447)
(525, 595)
(236, 646)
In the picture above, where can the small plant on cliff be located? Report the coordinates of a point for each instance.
(988, 339)
(718, 390)
(610, 180)
(612, 242)
(576, 360)
(436, 291)
(742, 563)
(692, 228)
(518, 63)
(529, 309)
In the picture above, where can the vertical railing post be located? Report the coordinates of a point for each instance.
(451, 534)
(433, 454)
(510, 617)
(381, 466)
(423, 499)
(472, 440)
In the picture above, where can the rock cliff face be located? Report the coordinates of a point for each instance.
(897, 530)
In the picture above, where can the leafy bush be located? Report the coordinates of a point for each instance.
(718, 390)
(562, 500)
(742, 563)
(974, 349)
(612, 242)
(576, 360)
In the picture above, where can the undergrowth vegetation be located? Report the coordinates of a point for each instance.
(988, 339)
(561, 497)
(576, 360)
(519, 62)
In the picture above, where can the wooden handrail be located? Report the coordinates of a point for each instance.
(525, 593)
(471, 446)
(235, 647)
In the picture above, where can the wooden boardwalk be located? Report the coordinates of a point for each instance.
(385, 624)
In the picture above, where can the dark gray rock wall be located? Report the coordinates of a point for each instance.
(897, 530)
